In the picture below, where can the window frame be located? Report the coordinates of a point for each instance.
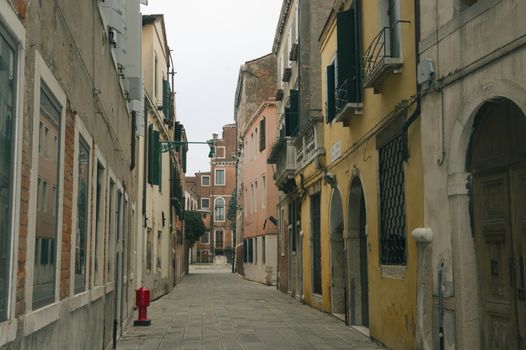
(81, 132)
(98, 253)
(217, 152)
(203, 207)
(224, 177)
(215, 208)
(205, 176)
(44, 315)
(14, 32)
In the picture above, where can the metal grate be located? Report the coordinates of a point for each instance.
(392, 204)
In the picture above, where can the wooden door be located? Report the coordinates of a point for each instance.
(494, 246)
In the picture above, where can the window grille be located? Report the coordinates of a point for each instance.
(392, 204)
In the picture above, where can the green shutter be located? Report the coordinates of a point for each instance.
(167, 100)
(331, 98)
(349, 55)
(160, 170)
(292, 114)
(154, 156)
(150, 153)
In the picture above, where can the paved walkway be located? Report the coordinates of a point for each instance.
(215, 309)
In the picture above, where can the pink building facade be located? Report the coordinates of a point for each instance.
(259, 196)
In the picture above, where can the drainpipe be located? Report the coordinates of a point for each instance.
(424, 288)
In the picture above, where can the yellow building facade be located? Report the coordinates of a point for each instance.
(363, 198)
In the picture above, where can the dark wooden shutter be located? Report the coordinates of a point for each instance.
(133, 135)
(154, 156)
(292, 114)
(167, 100)
(331, 91)
(349, 55)
(150, 153)
(262, 135)
(345, 38)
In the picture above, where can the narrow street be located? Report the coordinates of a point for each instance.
(215, 309)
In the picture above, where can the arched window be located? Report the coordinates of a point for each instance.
(219, 209)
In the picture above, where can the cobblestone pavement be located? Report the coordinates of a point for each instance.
(215, 309)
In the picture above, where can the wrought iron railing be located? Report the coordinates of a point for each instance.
(342, 96)
(384, 45)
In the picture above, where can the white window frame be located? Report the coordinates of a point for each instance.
(82, 298)
(224, 209)
(203, 207)
(224, 152)
(109, 246)
(202, 177)
(37, 319)
(16, 31)
(98, 252)
(215, 176)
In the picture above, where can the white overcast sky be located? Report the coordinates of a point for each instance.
(210, 39)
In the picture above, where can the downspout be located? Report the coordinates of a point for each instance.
(414, 116)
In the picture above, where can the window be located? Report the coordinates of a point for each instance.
(83, 171)
(220, 152)
(155, 77)
(205, 180)
(205, 238)
(8, 85)
(252, 198)
(282, 230)
(262, 135)
(330, 92)
(345, 74)
(220, 177)
(47, 226)
(219, 209)
(392, 204)
(100, 202)
(263, 250)
(263, 192)
(159, 251)
(315, 202)
(390, 16)
(291, 114)
(154, 157)
(149, 247)
(255, 242)
(255, 196)
(245, 250)
(205, 203)
(111, 231)
(219, 243)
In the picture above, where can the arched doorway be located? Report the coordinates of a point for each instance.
(358, 308)
(497, 161)
(338, 281)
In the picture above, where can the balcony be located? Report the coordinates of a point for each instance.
(283, 155)
(382, 57)
(345, 108)
(309, 143)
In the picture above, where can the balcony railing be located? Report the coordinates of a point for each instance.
(283, 154)
(309, 143)
(345, 109)
(382, 56)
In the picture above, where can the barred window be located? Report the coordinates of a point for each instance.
(392, 204)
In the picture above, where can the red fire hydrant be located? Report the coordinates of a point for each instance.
(142, 300)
